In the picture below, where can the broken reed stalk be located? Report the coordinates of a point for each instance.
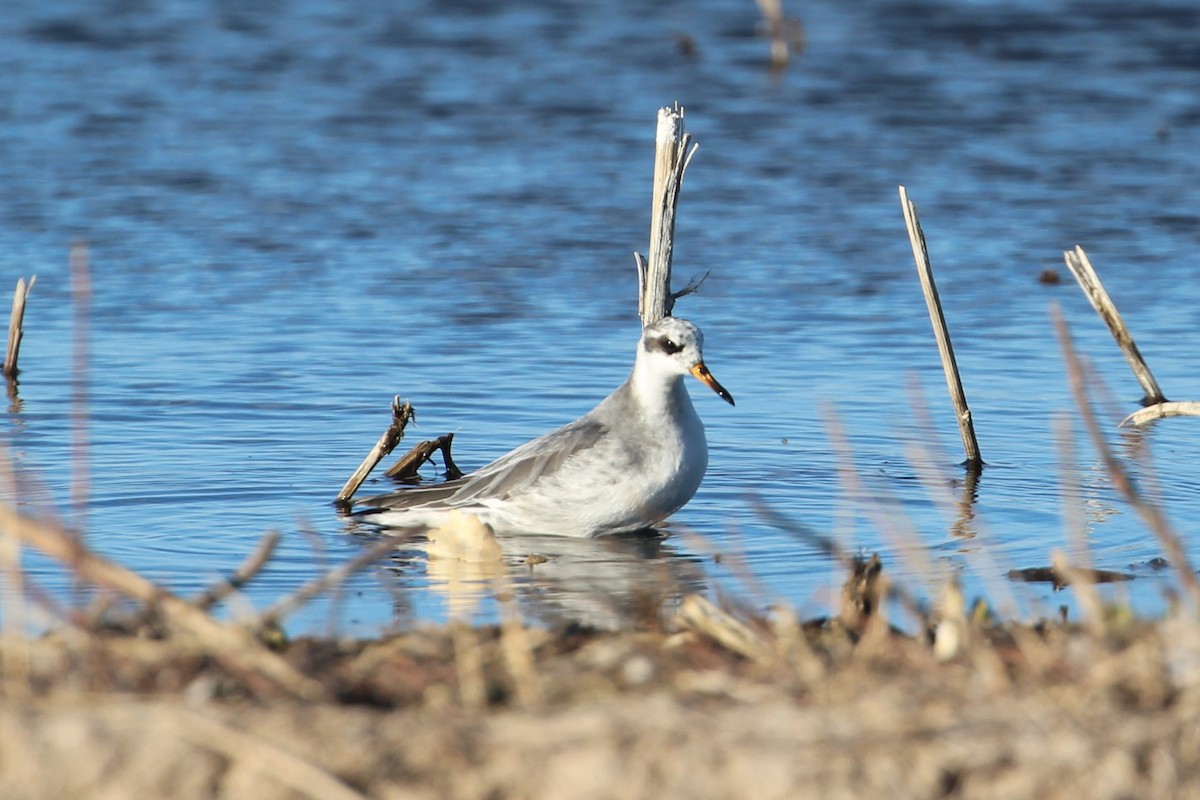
(1151, 514)
(1081, 267)
(402, 412)
(673, 151)
(15, 326)
(232, 645)
(962, 411)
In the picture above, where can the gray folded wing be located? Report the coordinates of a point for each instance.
(511, 473)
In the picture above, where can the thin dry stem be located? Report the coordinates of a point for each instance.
(16, 326)
(1151, 514)
(941, 333)
(1081, 267)
(334, 577)
(244, 573)
(232, 645)
(81, 298)
(402, 412)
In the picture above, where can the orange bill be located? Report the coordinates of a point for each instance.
(706, 377)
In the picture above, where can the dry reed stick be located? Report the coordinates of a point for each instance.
(962, 411)
(673, 151)
(15, 326)
(1081, 267)
(232, 645)
(1151, 514)
(401, 414)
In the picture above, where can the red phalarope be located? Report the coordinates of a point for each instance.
(626, 465)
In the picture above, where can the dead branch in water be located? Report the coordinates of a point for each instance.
(412, 461)
(941, 332)
(402, 412)
(15, 322)
(673, 151)
(1081, 267)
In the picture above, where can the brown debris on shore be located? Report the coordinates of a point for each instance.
(1046, 710)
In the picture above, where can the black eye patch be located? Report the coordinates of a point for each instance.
(665, 345)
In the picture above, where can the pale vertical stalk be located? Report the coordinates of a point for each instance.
(672, 152)
(1079, 568)
(15, 326)
(962, 411)
(81, 291)
(1081, 267)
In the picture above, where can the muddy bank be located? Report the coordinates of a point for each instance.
(1014, 712)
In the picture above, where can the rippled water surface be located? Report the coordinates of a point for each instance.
(296, 210)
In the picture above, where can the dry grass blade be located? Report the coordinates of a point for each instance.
(1181, 408)
(827, 545)
(1151, 514)
(941, 332)
(244, 573)
(15, 326)
(402, 412)
(1081, 267)
(232, 645)
(275, 614)
(702, 616)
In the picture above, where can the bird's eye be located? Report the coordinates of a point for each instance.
(671, 347)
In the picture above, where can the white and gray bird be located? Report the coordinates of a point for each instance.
(626, 465)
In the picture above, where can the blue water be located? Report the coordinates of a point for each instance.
(296, 210)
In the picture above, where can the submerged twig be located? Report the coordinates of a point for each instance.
(1151, 514)
(1089, 281)
(402, 412)
(962, 411)
(409, 463)
(15, 326)
(673, 151)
